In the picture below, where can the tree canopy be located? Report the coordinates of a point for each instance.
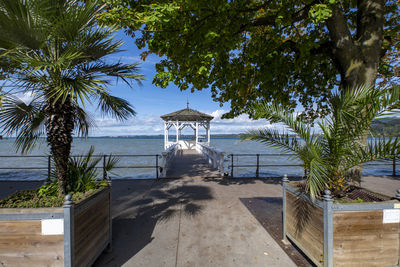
(287, 52)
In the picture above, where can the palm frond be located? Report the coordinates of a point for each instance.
(16, 113)
(83, 122)
(116, 107)
(26, 121)
(317, 177)
(379, 148)
(20, 27)
(29, 135)
(273, 138)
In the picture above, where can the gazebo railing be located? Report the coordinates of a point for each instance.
(214, 156)
(167, 157)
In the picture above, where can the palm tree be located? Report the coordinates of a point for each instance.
(329, 155)
(59, 51)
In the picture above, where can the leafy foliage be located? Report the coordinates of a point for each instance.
(329, 156)
(33, 199)
(82, 174)
(247, 52)
(58, 54)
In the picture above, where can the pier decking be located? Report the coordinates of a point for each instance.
(190, 163)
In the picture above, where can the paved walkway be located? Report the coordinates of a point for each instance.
(190, 222)
(189, 163)
(197, 222)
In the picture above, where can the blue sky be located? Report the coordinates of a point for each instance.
(150, 102)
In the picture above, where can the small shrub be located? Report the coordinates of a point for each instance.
(33, 199)
(49, 189)
(82, 178)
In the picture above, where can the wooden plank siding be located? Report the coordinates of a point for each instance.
(304, 224)
(22, 244)
(92, 229)
(361, 239)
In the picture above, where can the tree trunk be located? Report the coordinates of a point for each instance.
(59, 127)
(357, 56)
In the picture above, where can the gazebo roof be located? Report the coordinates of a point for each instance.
(187, 114)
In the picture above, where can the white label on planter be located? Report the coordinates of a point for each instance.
(391, 216)
(53, 227)
(396, 205)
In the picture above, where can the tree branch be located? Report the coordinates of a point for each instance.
(370, 19)
(298, 16)
(341, 39)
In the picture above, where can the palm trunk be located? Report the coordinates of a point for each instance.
(59, 126)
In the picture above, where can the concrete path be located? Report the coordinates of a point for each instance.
(190, 222)
(189, 163)
(387, 185)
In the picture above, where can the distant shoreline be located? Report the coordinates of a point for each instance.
(216, 136)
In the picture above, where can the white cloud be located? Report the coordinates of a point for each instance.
(153, 125)
(149, 63)
(239, 124)
(25, 97)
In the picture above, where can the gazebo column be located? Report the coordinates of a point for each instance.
(177, 132)
(197, 132)
(208, 132)
(165, 135)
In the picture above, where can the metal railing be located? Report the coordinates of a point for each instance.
(160, 169)
(389, 162)
(50, 163)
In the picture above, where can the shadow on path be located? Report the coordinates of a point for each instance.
(268, 212)
(189, 163)
(244, 181)
(140, 209)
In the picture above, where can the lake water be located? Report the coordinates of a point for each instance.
(153, 146)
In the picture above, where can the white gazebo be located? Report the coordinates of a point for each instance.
(186, 118)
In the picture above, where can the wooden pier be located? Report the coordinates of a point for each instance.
(190, 163)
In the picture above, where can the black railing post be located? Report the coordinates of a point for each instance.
(104, 168)
(232, 166)
(394, 166)
(258, 166)
(48, 167)
(157, 166)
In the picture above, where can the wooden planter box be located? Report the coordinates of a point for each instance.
(351, 234)
(74, 235)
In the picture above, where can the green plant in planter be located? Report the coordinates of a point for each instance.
(83, 180)
(328, 156)
(82, 175)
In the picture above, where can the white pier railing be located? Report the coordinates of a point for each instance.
(215, 157)
(167, 157)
